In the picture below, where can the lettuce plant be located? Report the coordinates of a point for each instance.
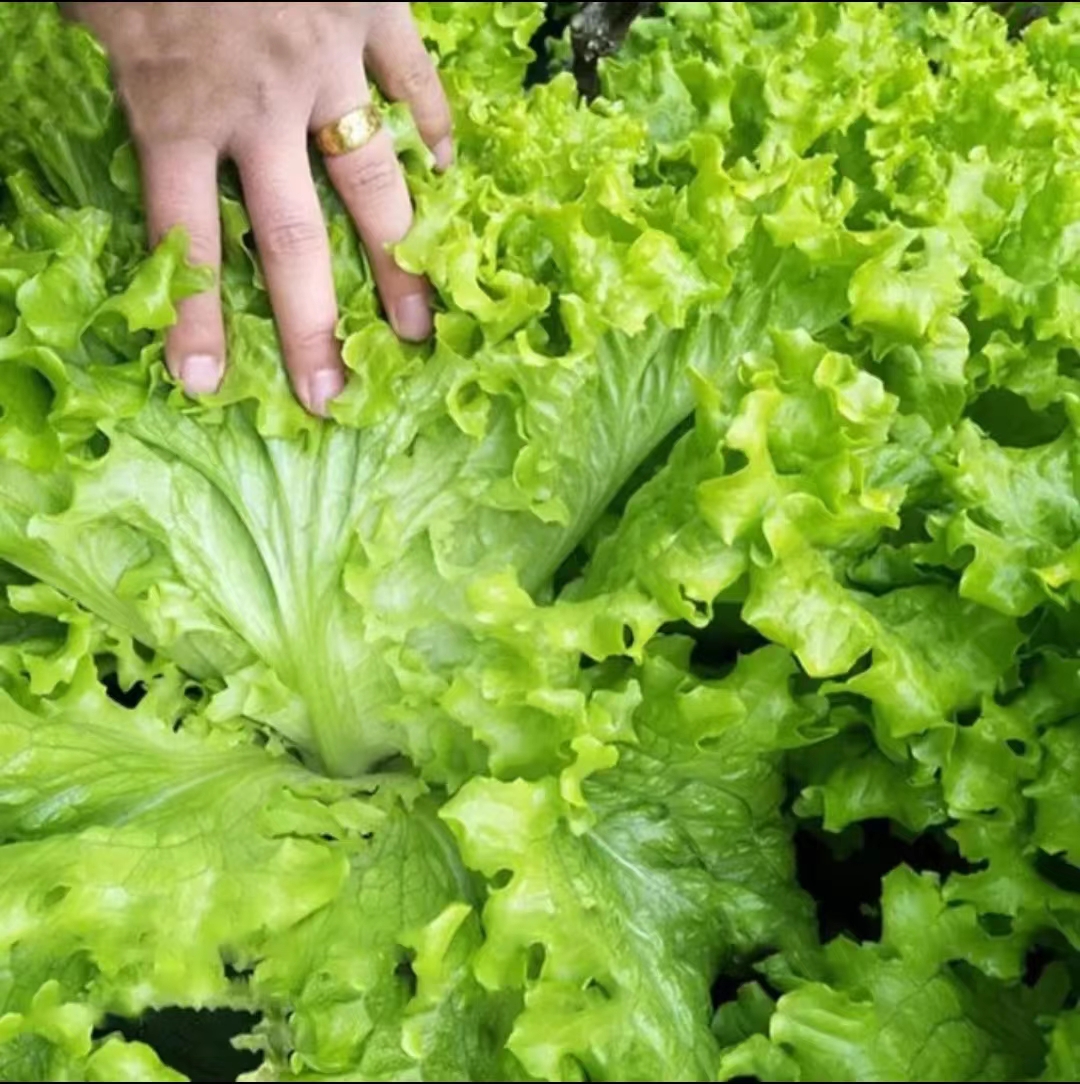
(469, 735)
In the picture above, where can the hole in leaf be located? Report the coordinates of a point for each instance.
(534, 963)
(98, 445)
(1016, 746)
(968, 716)
(405, 974)
(701, 607)
(996, 925)
(502, 878)
(57, 894)
(916, 247)
(237, 974)
(735, 461)
(128, 698)
(194, 1042)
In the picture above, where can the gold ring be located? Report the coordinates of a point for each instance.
(349, 133)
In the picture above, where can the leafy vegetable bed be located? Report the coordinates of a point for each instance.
(670, 674)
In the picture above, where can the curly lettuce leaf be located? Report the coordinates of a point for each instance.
(925, 1003)
(611, 923)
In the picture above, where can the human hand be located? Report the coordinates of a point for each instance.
(206, 81)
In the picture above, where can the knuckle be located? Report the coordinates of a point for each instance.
(290, 235)
(418, 80)
(202, 244)
(312, 346)
(375, 176)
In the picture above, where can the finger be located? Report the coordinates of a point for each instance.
(180, 189)
(401, 66)
(291, 239)
(372, 187)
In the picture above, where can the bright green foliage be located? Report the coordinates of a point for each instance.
(467, 736)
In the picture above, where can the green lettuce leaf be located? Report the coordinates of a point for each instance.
(611, 923)
(919, 1005)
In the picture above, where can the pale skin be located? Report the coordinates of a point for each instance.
(204, 82)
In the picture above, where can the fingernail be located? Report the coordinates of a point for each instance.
(411, 317)
(319, 388)
(444, 153)
(200, 374)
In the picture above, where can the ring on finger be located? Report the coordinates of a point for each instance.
(349, 132)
